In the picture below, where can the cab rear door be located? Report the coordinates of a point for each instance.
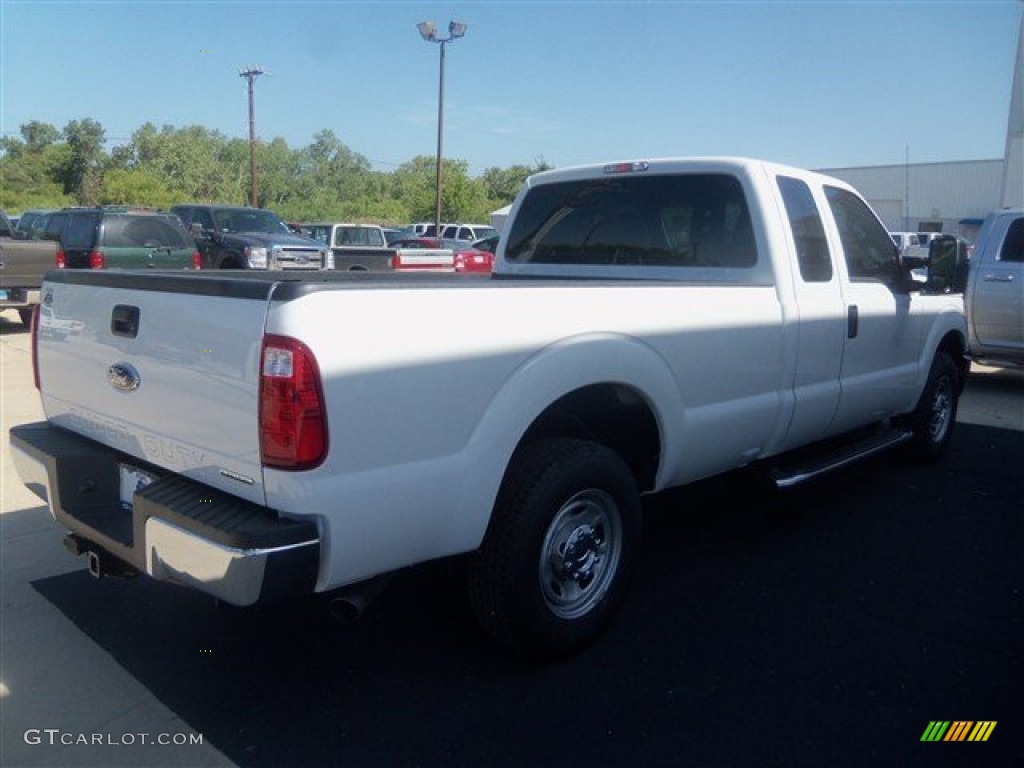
(997, 295)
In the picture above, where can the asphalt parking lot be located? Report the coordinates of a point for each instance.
(825, 626)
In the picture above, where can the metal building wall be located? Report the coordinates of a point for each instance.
(938, 193)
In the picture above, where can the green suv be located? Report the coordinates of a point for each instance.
(120, 238)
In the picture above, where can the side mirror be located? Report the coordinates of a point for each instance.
(947, 265)
(913, 269)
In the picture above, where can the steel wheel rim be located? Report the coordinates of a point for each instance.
(581, 552)
(941, 415)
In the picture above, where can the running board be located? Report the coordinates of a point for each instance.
(787, 477)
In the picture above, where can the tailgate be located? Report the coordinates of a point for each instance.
(160, 366)
(427, 259)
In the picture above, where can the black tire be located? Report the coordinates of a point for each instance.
(230, 260)
(26, 316)
(560, 549)
(933, 419)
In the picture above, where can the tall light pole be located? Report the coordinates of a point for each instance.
(251, 74)
(428, 31)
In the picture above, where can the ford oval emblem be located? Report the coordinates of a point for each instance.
(123, 377)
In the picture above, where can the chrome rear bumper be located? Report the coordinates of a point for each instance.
(175, 530)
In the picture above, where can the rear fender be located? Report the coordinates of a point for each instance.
(546, 377)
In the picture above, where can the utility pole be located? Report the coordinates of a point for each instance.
(251, 74)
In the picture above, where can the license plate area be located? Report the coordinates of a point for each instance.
(133, 479)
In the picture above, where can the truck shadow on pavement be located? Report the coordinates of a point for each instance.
(822, 626)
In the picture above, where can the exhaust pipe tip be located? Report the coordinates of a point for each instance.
(350, 604)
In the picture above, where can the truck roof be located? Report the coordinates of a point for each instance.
(676, 165)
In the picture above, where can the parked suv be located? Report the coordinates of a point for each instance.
(125, 238)
(28, 224)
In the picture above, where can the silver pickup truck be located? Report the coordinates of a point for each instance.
(995, 290)
(22, 266)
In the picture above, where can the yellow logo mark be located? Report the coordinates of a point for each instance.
(959, 730)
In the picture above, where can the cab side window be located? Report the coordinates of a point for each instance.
(1013, 245)
(808, 233)
(870, 253)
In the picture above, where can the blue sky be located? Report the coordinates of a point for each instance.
(813, 84)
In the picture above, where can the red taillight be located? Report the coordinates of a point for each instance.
(96, 260)
(61, 259)
(293, 420)
(197, 260)
(34, 331)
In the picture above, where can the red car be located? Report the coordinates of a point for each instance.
(430, 254)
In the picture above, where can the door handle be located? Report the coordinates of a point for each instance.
(998, 278)
(852, 321)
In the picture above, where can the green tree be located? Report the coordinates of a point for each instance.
(415, 186)
(29, 179)
(162, 166)
(190, 161)
(82, 173)
(38, 136)
(278, 168)
(136, 187)
(503, 184)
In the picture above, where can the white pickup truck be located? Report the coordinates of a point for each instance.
(256, 435)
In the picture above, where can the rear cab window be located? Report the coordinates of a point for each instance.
(81, 231)
(127, 231)
(691, 227)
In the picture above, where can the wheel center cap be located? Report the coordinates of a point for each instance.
(581, 552)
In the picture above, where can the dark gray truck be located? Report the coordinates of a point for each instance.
(22, 266)
(235, 237)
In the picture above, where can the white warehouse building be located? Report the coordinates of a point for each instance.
(949, 197)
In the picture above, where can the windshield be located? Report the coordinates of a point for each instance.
(248, 220)
(321, 232)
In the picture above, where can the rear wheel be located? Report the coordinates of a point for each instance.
(562, 543)
(934, 417)
(230, 261)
